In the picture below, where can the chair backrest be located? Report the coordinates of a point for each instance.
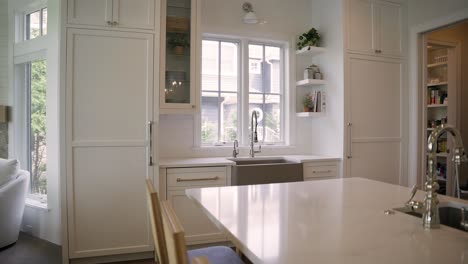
(174, 234)
(156, 224)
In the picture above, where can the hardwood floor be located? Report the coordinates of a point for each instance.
(31, 250)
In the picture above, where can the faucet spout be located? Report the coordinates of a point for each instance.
(431, 217)
(253, 134)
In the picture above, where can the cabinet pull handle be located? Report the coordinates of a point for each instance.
(198, 179)
(350, 152)
(150, 151)
(324, 171)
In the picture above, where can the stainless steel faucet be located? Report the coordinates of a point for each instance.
(253, 135)
(431, 217)
(235, 152)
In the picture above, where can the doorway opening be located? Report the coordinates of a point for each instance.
(444, 100)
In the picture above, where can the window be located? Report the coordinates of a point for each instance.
(36, 73)
(35, 24)
(228, 98)
(220, 85)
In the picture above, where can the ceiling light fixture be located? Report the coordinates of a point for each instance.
(250, 17)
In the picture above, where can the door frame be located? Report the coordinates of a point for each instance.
(454, 80)
(415, 80)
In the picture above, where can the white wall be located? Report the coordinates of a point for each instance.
(3, 52)
(285, 21)
(422, 11)
(42, 223)
(327, 17)
(423, 16)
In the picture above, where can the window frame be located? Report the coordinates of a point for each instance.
(26, 23)
(243, 92)
(239, 89)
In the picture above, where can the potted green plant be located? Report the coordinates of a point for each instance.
(178, 42)
(309, 39)
(308, 103)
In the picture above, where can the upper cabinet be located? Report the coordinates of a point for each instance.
(136, 14)
(178, 56)
(374, 27)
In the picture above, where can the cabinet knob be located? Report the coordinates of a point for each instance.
(115, 23)
(109, 23)
(193, 106)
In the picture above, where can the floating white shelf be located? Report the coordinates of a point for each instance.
(310, 114)
(439, 64)
(310, 82)
(436, 105)
(436, 84)
(310, 51)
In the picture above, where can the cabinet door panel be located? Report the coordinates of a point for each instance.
(89, 12)
(134, 13)
(107, 206)
(109, 102)
(111, 83)
(374, 109)
(390, 28)
(360, 26)
(198, 227)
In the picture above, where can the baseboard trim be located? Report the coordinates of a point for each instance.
(114, 258)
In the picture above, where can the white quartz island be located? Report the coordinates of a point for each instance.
(331, 221)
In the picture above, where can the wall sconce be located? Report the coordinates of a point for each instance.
(250, 17)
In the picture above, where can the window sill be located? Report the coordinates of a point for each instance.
(230, 146)
(33, 203)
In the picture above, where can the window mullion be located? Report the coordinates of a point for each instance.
(245, 89)
(219, 92)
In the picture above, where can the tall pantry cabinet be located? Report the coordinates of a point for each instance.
(111, 107)
(374, 66)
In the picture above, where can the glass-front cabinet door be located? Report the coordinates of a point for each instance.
(178, 56)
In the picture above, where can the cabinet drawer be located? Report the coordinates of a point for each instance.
(320, 171)
(196, 177)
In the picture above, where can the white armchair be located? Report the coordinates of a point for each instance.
(12, 200)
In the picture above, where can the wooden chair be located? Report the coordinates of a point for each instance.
(169, 238)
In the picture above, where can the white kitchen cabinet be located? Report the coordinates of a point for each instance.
(320, 170)
(180, 74)
(199, 229)
(109, 104)
(374, 27)
(373, 113)
(135, 14)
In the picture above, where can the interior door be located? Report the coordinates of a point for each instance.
(90, 12)
(110, 98)
(360, 33)
(374, 116)
(134, 13)
(390, 29)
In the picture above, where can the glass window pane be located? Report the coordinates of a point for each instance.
(272, 119)
(272, 70)
(44, 21)
(210, 65)
(228, 105)
(256, 104)
(38, 149)
(209, 118)
(229, 66)
(33, 25)
(255, 68)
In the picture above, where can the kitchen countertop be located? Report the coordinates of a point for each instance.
(329, 221)
(221, 161)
